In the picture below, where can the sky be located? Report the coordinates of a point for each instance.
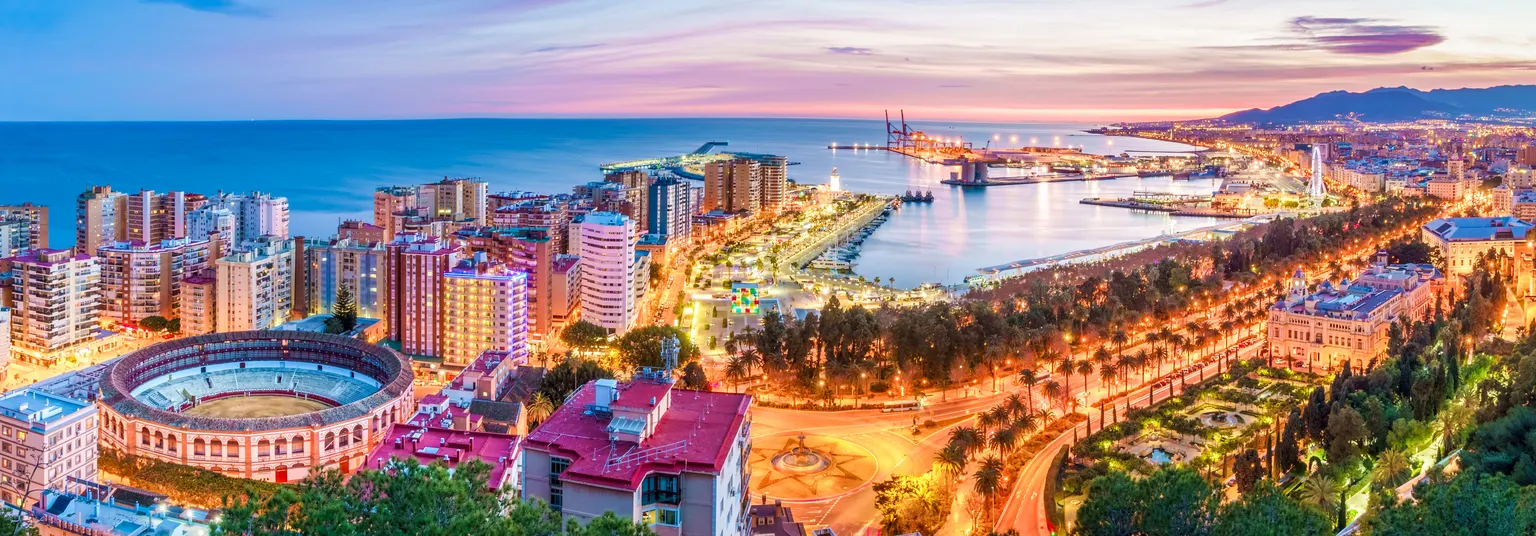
(977, 60)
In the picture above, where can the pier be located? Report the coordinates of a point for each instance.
(993, 274)
(1176, 204)
(801, 254)
(1009, 181)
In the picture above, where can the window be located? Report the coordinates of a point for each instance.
(660, 489)
(556, 488)
(660, 516)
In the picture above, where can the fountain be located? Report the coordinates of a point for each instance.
(1222, 419)
(801, 459)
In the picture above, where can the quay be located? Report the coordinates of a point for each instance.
(801, 254)
(994, 274)
(1127, 203)
(1176, 204)
(1009, 181)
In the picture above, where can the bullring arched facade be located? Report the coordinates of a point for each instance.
(272, 448)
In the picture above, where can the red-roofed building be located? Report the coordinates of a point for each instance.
(485, 378)
(671, 458)
(361, 231)
(452, 447)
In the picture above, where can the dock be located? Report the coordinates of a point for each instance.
(1175, 204)
(1128, 203)
(1010, 181)
(993, 274)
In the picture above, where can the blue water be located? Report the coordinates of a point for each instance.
(1159, 456)
(328, 169)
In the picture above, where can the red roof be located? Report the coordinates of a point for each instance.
(428, 445)
(694, 435)
(563, 263)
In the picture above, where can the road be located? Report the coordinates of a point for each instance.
(1025, 509)
(897, 452)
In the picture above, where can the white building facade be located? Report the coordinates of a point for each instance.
(605, 241)
(58, 305)
(254, 288)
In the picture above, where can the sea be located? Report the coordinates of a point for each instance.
(328, 170)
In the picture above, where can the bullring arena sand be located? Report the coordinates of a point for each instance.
(251, 407)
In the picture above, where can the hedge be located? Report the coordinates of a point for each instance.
(183, 484)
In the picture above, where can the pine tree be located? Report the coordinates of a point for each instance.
(1287, 451)
(343, 312)
(1316, 414)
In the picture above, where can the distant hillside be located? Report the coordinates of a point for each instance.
(1396, 104)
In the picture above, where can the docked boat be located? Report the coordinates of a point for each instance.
(917, 197)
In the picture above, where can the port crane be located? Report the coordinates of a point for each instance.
(905, 140)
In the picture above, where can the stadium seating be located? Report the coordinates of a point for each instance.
(324, 384)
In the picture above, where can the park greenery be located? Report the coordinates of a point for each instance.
(184, 484)
(405, 498)
(1370, 432)
(160, 325)
(595, 356)
(1178, 303)
(1077, 320)
(1179, 501)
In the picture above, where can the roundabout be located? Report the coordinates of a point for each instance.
(800, 467)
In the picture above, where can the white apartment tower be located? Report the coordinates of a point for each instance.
(254, 288)
(256, 214)
(58, 305)
(213, 220)
(605, 241)
(5, 342)
(47, 441)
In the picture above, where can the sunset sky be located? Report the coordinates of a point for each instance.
(1092, 60)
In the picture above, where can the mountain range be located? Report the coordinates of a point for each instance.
(1386, 104)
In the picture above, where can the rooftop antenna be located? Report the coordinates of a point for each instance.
(669, 349)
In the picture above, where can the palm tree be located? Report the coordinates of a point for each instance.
(736, 371)
(1390, 467)
(539, 409)
(951, 461)
(1005, 439)
(1025, 424)
(1142, 359)
(1084, 368)
(1067, 367)
(1109, 373)
(1162, 355)
(989, 480)
(1119, 337)
(966, 438)
(987, 420)
(1321, 491)
(1030, 379)
(1016, 405)
(1053, 393)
